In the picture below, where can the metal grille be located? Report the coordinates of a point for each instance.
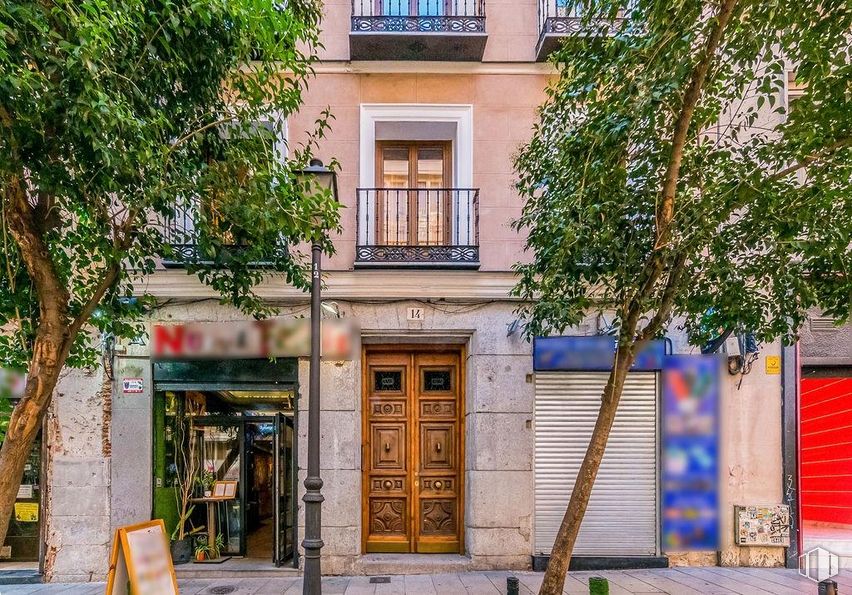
(557, 17)
(184, 238)
(621, 519)
(427, 16)
(823, 324)
(556, 10)
(410, 225)
(418, 8)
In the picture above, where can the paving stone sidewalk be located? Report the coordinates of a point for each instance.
(673, 581)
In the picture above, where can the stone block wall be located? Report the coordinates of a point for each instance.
(498, 432)
(77, 531)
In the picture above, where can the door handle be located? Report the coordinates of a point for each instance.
(387, 446)
(438, 446)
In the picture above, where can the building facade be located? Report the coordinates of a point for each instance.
(432, 438)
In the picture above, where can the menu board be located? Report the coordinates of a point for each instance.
(141, 562)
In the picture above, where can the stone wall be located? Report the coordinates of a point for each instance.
(132, 448)
(92, 423)
(78, 477)
(499, 401)
(751, 455)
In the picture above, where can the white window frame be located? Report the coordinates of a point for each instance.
(460, 115)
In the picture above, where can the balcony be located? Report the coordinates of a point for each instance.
(186, 246)
(556, 21)
(418, 228)
(439, 30)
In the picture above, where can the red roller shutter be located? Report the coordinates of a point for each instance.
(826, 450)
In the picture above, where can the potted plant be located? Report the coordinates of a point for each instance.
(181, 547)
(205, 482)
(201, 552)
(214, 550)
(188, 464)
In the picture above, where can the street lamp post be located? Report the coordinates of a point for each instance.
(318, 177)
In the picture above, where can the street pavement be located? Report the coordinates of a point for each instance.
(674, 581)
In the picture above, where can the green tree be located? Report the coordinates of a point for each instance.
(126, 129)
(666, 181)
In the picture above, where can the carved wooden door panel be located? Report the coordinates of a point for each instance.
(412, 452)
(437, 452)
(387, 469)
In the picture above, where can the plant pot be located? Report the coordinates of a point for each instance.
(182, 550)
(200, 556)
(207, 493)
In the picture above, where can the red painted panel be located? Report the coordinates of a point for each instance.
(826, 449)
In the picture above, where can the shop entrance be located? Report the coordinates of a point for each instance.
(257, 453)
(238, 433)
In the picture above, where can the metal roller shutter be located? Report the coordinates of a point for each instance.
(621, 519)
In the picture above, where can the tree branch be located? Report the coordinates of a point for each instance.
(667, 302)
(812, 158)
(110, 276)
(665, 212)
(123, 240)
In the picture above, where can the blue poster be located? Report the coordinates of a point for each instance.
(690, 453)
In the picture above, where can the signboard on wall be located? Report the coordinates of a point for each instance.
(26, 512)
(250, 339)
(763, 525)
(591, 354)
(690, 453)
(133, 386)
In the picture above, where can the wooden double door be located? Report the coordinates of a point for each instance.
(413, 450)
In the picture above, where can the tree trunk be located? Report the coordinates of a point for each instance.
(560, 557)
(48, 358)
(51, 345)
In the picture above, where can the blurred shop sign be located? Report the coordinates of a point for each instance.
(690, 477)
(12, 383)
(250, 339)
(595, 353)
(140, 562)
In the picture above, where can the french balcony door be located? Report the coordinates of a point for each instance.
(412, 8)
(413, 205)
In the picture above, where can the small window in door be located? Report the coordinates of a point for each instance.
(413, 202)
(388, 381)
(437, 381)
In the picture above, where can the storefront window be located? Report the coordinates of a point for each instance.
(24, 535)
(206, 436)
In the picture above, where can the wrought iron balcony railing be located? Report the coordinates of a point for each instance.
(556, 20)
(183, 238)
(418, 227)
(417, 30)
